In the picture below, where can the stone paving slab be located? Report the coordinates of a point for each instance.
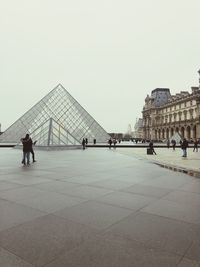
(8, 259)
(97, 208)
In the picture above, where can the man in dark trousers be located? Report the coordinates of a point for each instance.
(86, 141)
(174, 144)
(32, 152)
(27, 147)
(110, 142)
(184, 147)
(168, 143)
(151, 147)
(83, 143)
(114, 142)
(195, 145)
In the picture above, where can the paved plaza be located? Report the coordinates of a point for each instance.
(97, 208)
(169, 158)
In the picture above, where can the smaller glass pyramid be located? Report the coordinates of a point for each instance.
(56, 120)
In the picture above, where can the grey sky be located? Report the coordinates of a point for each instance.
(108, 54)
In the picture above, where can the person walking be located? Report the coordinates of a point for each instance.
(110, 143)
(184, 147)
(115, 142)
(195, 145)
(27, 147)
(94, 141)
(32, 152)
(83, 143)
(151, 147)
(173, 144)
(168, 143)
(86, 142)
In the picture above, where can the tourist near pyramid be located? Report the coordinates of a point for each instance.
(56, 120)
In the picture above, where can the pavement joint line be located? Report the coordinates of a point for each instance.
(190, 172)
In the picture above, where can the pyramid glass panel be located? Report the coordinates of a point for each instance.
(57, 119)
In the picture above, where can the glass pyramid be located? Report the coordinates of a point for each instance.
(57, 119)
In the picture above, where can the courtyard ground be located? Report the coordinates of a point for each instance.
(98, 208)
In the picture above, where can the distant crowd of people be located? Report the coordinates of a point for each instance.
(184, 144)
(111, 141)
(28, 146)
(85, 142)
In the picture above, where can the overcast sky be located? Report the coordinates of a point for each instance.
(109, 54)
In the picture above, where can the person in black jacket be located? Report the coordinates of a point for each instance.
(195, 145)
(27, 147)
(151, 147)
(110, 142)
(83, 143)
(86, 142)
(32, 152)
(184, 147)
(174, 144)
(168, 143)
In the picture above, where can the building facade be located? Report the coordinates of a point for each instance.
(165, 115)
(138, 129)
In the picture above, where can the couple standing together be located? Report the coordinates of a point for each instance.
(27, 149)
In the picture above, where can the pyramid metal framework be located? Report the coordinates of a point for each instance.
(56, 120)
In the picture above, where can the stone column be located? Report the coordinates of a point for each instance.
(192, 132)
(156, 134)
(198, 131)
(164, 136)
(185, 133)
(152, 134)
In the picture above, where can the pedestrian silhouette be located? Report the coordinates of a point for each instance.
(151, 147)
(173, 144)
(86, 141)
(110, 143)
(168, 143)
(114, 142)
(27, 147)
(184, 147)
(83, 143)
(195, 145)
(32, 152)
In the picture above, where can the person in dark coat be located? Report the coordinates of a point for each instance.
(184, 147)
(110, 142)
(83, 143)
(168, 143)
(27, 147)
(32, 152)
(195, 145)
(94, 141)
(114, 142)
(174, 144)
(151, 147)
(86, 141)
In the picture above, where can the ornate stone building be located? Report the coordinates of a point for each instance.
(165, 114)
